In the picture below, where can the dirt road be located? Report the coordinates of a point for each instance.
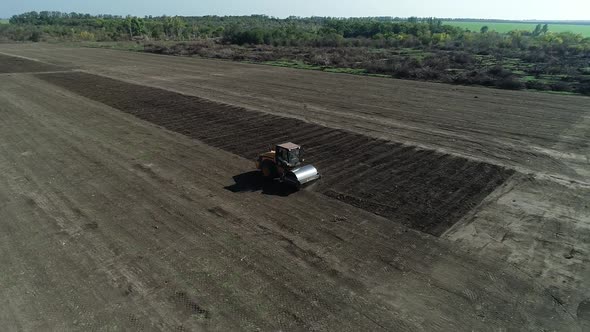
(112, 220)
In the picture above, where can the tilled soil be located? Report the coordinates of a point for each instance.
(423, 189)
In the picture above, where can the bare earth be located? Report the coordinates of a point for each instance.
(112, 218)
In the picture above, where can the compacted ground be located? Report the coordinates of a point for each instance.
(10, 64)
(127, 199)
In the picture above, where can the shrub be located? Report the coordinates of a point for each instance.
(584, 88)
(158, 49)
(438, 61)
(428, 73)
(536, 85)
(499, 71)
(35, 37)
(509, 83)
(403, 71)
(462, 58)
(561, 86)
(474, 77)
(407, 68)
(380, 67)
(86, 36)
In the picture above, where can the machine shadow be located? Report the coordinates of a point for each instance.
(254, 181)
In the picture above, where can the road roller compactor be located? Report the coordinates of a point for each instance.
(285, 164)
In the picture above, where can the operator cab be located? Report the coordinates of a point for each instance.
(289, 154)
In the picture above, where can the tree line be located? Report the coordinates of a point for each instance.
(539, 58)
(255, 29)
(291, 31)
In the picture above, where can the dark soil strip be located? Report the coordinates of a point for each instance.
(10, 64)
(423, 189)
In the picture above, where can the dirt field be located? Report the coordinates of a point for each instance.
(112, 221)
(425, 190)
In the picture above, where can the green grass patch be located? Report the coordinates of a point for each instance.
(567, 93)
(506, 27)
(303, 65)
(3, 21)
(292, 64)
(553, 77)
(413, 53)
(125, 46)
(346, 71)
(122, 45)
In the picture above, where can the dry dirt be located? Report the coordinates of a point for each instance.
(134, 206)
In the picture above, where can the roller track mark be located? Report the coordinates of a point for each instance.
(13, 64)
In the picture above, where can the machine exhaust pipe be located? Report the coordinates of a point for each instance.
(300, 176)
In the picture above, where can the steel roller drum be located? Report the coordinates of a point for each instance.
(302, 175)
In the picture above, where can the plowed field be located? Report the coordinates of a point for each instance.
(423, 189)
(128, 199)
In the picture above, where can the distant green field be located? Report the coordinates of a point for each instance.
(3, 21)
(505, 27)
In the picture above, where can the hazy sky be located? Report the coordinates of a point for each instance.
(504, 9)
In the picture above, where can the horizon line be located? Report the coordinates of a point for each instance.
(327, 16)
